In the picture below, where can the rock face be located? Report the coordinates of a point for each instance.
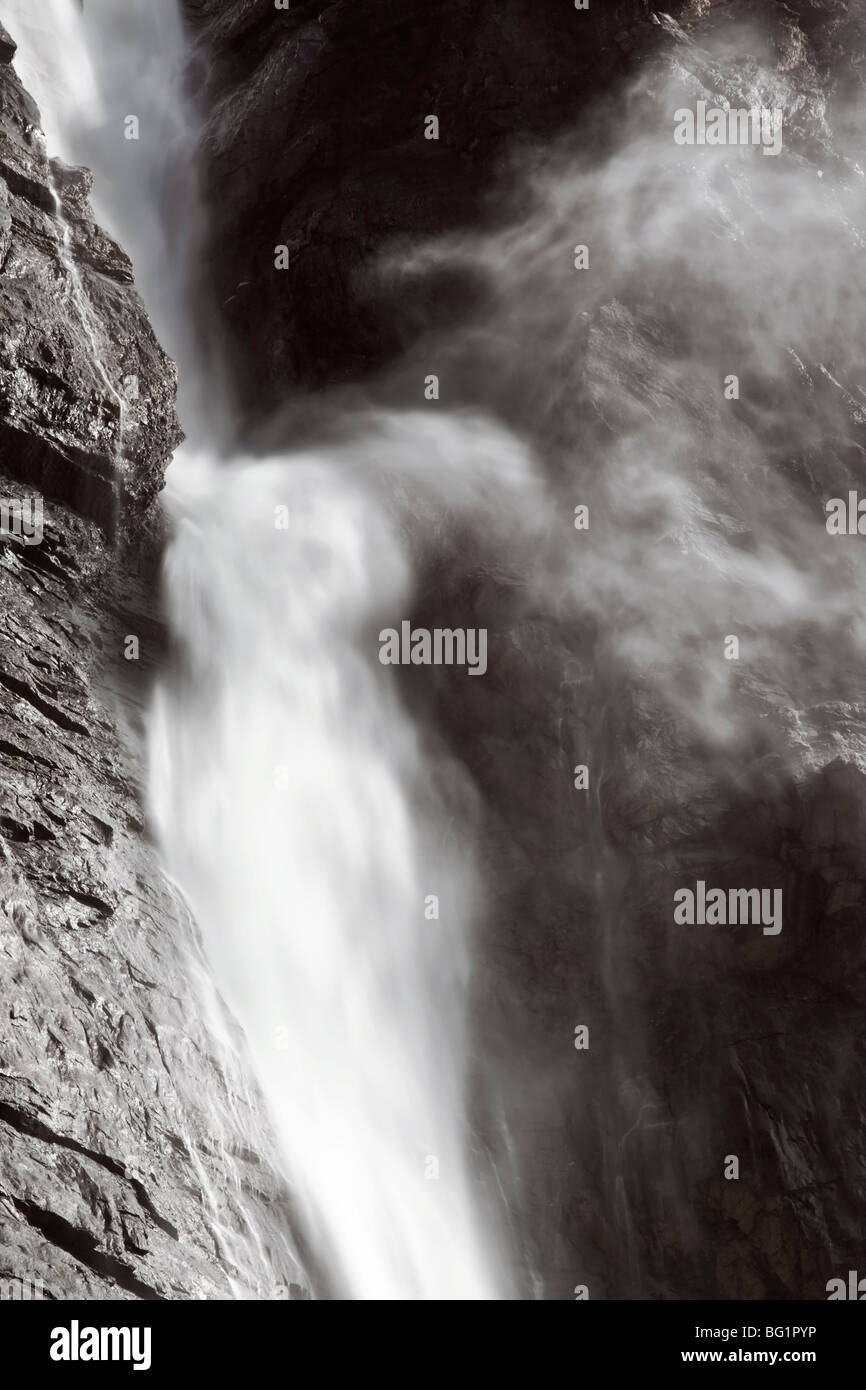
(87, 391)
(703, 1045)
(131, 1158)
(315, 141)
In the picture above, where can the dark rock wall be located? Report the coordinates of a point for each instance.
(315, 141)
(315, 121)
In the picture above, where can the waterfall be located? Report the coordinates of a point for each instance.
(289, 790)
(668, 543)
(296, 805)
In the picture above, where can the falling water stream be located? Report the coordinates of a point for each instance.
(84, 313)
(287, 784)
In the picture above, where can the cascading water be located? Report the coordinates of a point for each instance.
(299, 808)
(289, 789)
(83, 311)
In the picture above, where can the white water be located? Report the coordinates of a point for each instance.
(294, 803)
(289, 788)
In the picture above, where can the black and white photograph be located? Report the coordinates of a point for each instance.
(432, 672)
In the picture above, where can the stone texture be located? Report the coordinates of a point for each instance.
(78, 352)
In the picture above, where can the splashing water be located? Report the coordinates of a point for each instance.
(289, 789)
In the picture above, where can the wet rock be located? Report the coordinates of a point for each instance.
(75, 334)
